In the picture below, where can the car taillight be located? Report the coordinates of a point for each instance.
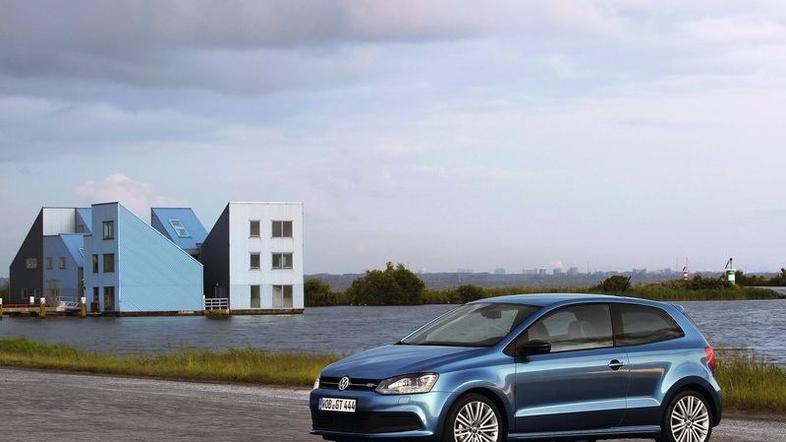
(711, 361)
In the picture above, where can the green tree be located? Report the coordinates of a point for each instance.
(468, 293)
(700, 283)
(780, 278)
(318, 293)
(613, 284)
(755, 280)
(396, 285)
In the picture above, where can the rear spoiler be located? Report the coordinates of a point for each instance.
(679, 307)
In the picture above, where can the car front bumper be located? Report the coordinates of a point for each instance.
(378, 416)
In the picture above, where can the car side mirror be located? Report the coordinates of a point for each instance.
(532, 348)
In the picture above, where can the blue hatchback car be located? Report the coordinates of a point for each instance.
(529, 367)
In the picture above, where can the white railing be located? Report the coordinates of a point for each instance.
(216, 303)
(67, 303)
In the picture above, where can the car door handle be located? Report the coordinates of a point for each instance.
(616, 365)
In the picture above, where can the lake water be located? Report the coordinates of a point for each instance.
(757, 325)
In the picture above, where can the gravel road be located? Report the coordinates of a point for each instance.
(42, 406)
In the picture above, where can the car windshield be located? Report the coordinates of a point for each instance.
(472, 325)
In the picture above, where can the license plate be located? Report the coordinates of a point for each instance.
(340, 405)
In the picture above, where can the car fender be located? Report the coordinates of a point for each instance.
(501, 391)
(707, 388)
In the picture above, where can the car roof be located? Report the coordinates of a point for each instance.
(551, 299)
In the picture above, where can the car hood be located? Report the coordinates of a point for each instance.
(394, 360)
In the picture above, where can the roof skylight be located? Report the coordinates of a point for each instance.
(180, 229)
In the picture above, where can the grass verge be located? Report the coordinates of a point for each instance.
(749, 385)
(250, 366)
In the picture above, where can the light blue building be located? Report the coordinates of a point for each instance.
(131, 267)
(181, 226)
(63, 267)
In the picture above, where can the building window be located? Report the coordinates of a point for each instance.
(109, 230)
(282, 296)
(282, 260)
(253, 229)
(31, 263)
(255, 302)
(53, 289)
(49, 263)
(282, 229)
(180, 229)
(109, 299)
(109, 263)
(95, 263)
(255, 261)
(62, 263)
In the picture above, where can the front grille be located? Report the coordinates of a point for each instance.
(331, 383)
(365, 422)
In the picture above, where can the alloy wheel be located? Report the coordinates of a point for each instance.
(476, 422)
(690, 420)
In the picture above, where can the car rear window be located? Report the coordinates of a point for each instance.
(645, 325)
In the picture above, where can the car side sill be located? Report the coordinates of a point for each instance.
(617, 431)
(397, 435)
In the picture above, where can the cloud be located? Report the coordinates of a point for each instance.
(735, 30)
(137, 196)
(410, 126)
(258, 47)
(102, 27)
(36, 128)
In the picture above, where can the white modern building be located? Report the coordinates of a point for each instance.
(253, 256)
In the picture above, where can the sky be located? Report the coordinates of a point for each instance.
(440, 134)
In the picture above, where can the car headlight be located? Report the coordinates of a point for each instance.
(408, 384)
(316, 383)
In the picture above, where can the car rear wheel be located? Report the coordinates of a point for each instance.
(474, 418)
(687, 419)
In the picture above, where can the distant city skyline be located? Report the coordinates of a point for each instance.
(439, 134)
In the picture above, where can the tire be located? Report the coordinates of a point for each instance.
(688, 419)
(461, 417)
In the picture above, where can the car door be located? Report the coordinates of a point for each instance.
(582, 383)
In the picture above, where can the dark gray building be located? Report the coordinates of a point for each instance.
(26, 272)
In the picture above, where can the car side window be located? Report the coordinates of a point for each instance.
(642, 324)
(578, 327)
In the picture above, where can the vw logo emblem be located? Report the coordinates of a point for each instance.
(343, 383)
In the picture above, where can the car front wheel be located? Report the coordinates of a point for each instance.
(474, 418)
(687, 419)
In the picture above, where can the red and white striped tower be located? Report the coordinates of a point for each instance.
(685, 274)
